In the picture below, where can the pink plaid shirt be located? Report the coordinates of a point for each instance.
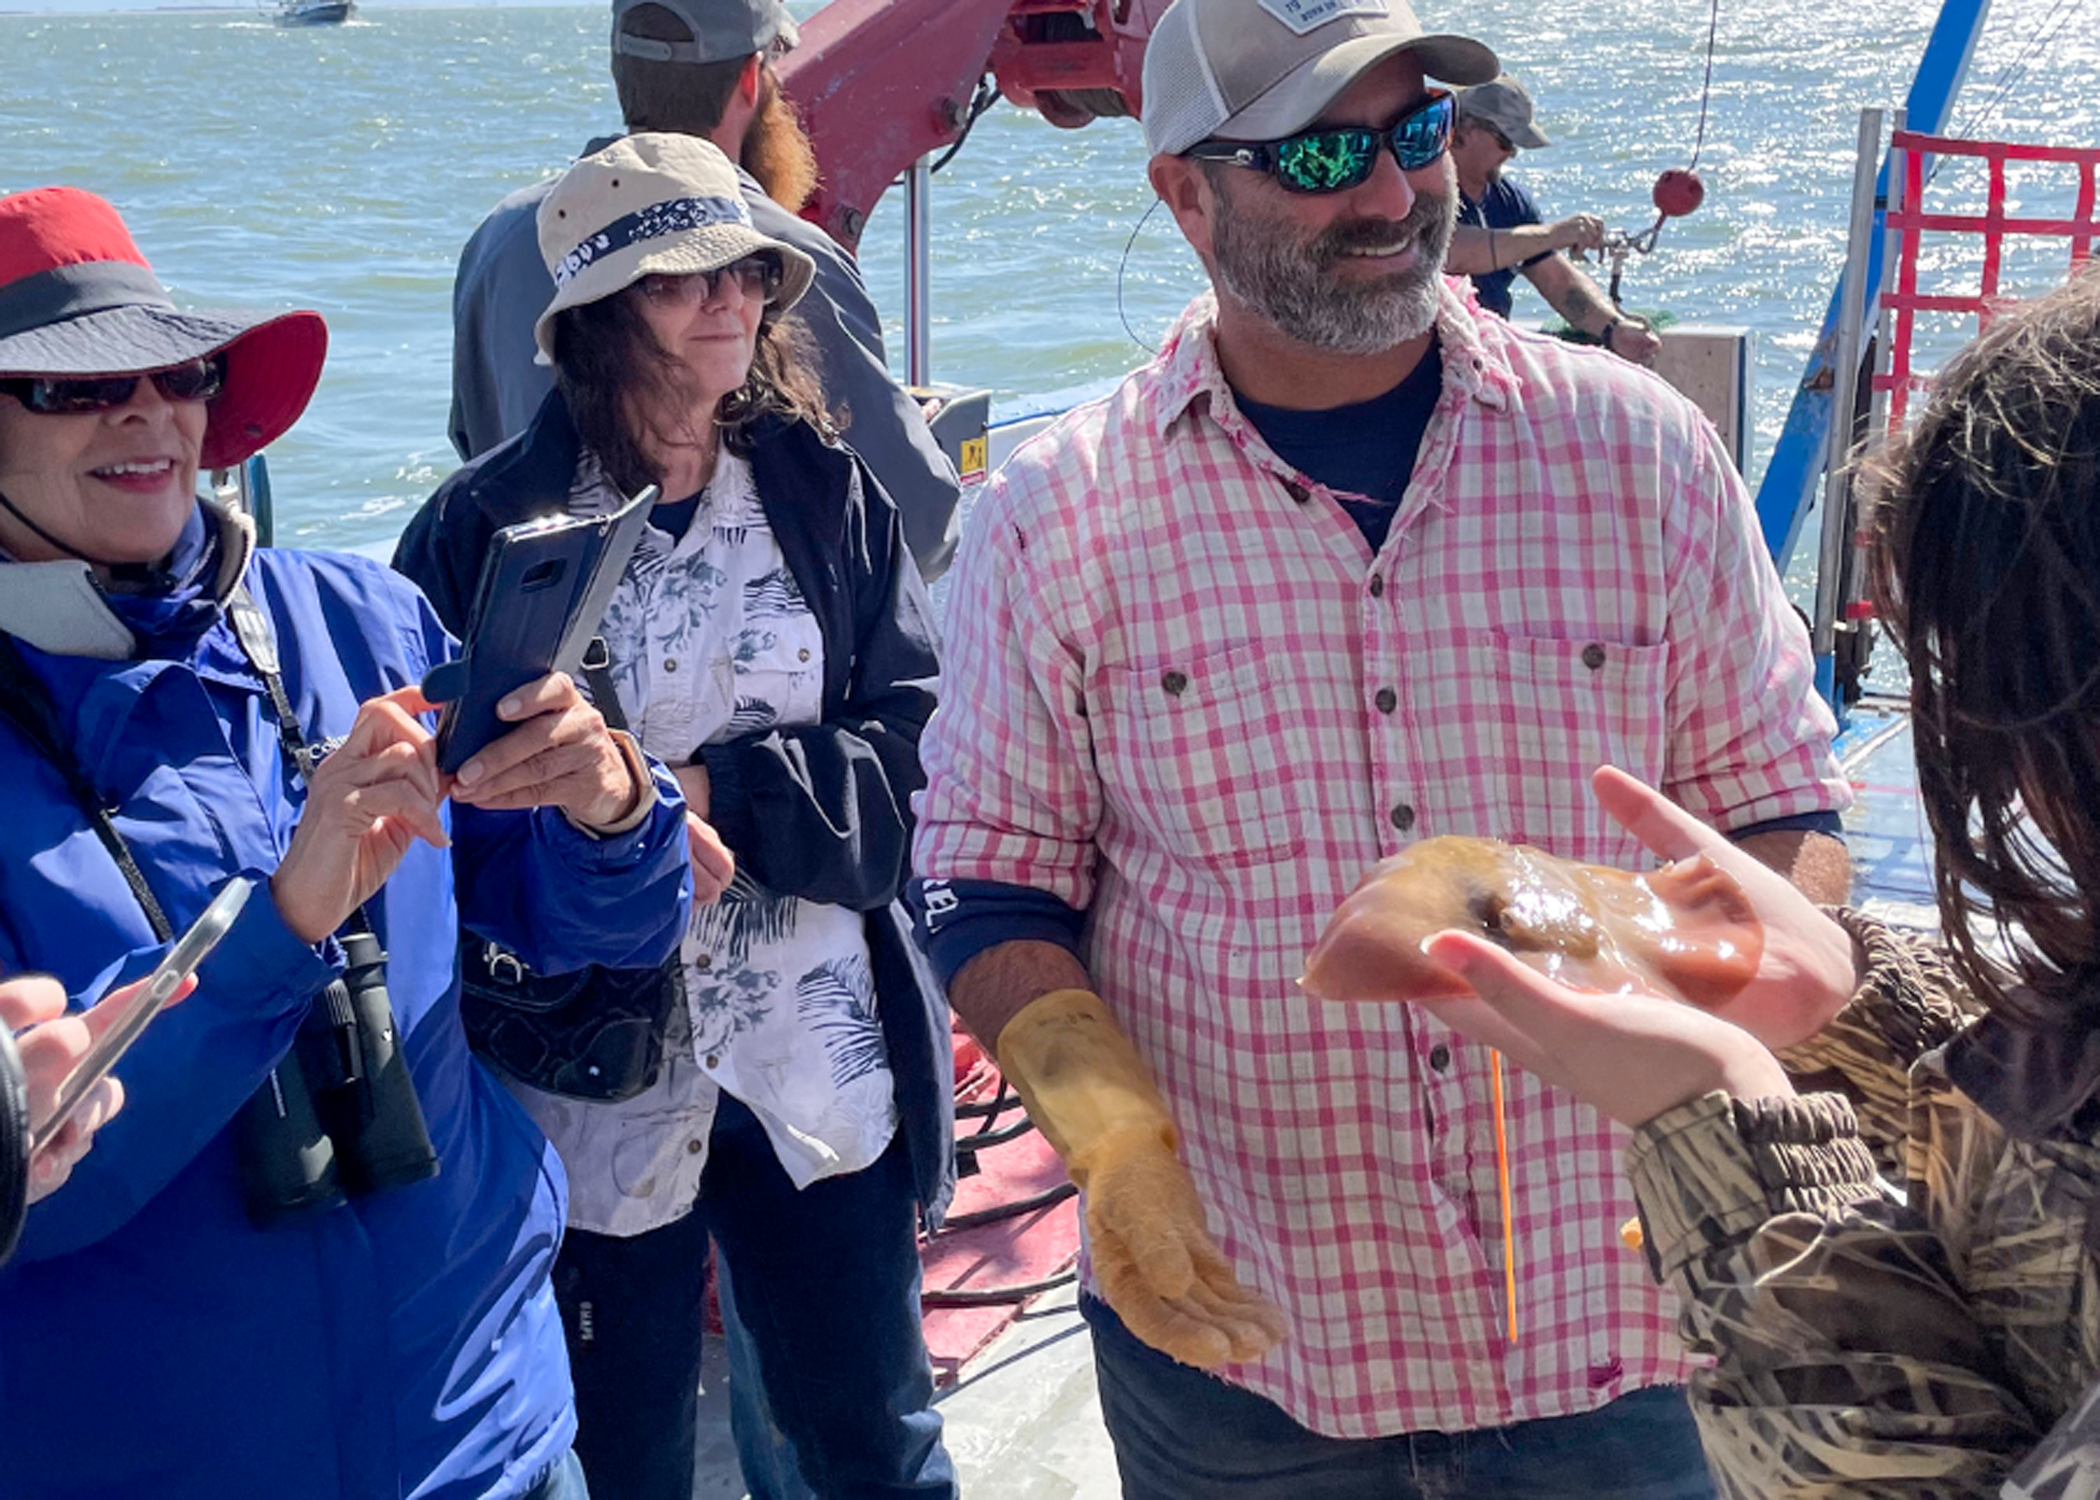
(1181, 693)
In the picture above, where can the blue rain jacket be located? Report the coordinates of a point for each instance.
(154, 1343)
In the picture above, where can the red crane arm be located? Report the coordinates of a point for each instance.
(880, 83)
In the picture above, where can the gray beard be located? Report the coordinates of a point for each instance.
(1290, 283)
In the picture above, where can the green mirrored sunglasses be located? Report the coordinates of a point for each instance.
(1337, 159)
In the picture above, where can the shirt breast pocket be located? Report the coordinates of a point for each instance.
(777, 672)
(1192, 752)
(1556, 709)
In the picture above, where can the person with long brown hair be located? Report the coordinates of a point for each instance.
(708, 69)
(1945, 1340)
(772, 641)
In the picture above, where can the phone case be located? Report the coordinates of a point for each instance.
(542, 593)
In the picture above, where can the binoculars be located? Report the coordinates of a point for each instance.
(339, 1116)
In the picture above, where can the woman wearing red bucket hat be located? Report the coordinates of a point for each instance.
(310, 1257)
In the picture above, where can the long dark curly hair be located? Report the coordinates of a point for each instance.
(613, 373)
(1986, 568)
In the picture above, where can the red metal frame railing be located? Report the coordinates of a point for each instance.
(1908, 221)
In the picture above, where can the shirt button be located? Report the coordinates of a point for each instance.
(1403, 816)
(704, 961)
(714, 1059)
(1175, 682)
(670, 664)
(695, 1147)
(1440, 1057)
(1377, 585)
(803, 654)
(1296, 491)
(1593, 656)
(1387, 700)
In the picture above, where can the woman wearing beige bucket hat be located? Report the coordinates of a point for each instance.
(771, 641)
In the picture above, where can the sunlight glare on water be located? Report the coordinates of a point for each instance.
(341, 168)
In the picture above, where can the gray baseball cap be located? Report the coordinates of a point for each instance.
(1502, 104)
(721, 30)
(1258, 70)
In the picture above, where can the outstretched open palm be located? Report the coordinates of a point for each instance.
(1806, 973)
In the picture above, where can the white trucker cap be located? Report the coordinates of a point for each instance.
(1258, 70)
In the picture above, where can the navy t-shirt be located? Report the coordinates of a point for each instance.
(1366, 449)
(1503, 206)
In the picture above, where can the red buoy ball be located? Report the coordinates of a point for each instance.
(1678, 192)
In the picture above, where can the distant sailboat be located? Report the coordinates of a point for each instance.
(314, 12)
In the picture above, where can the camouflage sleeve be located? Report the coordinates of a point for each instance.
(1847, 1360)
(1909, 1002)
(2066, 1465)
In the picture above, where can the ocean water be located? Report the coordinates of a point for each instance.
(342, 168)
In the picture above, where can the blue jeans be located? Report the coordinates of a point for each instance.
(762, 1449)
(826, 1285)
(1180, 1434)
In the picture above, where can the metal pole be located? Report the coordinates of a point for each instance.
(1844, 389)
(1877, 399)
(918, 273)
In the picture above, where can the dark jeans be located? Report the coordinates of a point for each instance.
(1180, 1434)
(826, 1284)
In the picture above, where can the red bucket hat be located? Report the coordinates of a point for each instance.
(77, 298)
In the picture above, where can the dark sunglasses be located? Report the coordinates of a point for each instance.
(69, 395)
(756, 275)
(1340, 158)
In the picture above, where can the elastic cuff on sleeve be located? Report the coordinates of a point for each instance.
(262, 957)
(1712, 1170)
(638, 768)
(1908, 998)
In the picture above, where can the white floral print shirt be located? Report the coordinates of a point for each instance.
(711, 640)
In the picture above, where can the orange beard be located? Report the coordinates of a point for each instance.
(1685, 931)
(778, 153)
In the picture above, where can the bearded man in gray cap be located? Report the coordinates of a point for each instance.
(704, 68)
(1349, 564)
(1501, 231)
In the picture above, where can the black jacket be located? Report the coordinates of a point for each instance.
(821, 811)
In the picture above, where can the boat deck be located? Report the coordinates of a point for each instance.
(1885, 827)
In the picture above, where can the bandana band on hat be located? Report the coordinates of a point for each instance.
(674, 216)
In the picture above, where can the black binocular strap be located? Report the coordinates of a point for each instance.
(28, 706)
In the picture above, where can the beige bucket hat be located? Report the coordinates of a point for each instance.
(647, 205)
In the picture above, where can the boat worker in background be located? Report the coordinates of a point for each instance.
(1349, 564)
(1501, 231)
(704, 68)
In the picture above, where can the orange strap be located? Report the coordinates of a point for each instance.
(1509, 1234)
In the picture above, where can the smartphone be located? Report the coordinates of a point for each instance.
(541, 596)
(142, 1005)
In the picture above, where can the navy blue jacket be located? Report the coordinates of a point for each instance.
(821, 811)
(154, 1343)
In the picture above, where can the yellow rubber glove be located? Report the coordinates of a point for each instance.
(1090, 1095)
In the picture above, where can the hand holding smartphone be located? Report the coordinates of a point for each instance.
(541, 596)
(140, 1006)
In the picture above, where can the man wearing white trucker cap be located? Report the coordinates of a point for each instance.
(1501, 231)
(1349, 564)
